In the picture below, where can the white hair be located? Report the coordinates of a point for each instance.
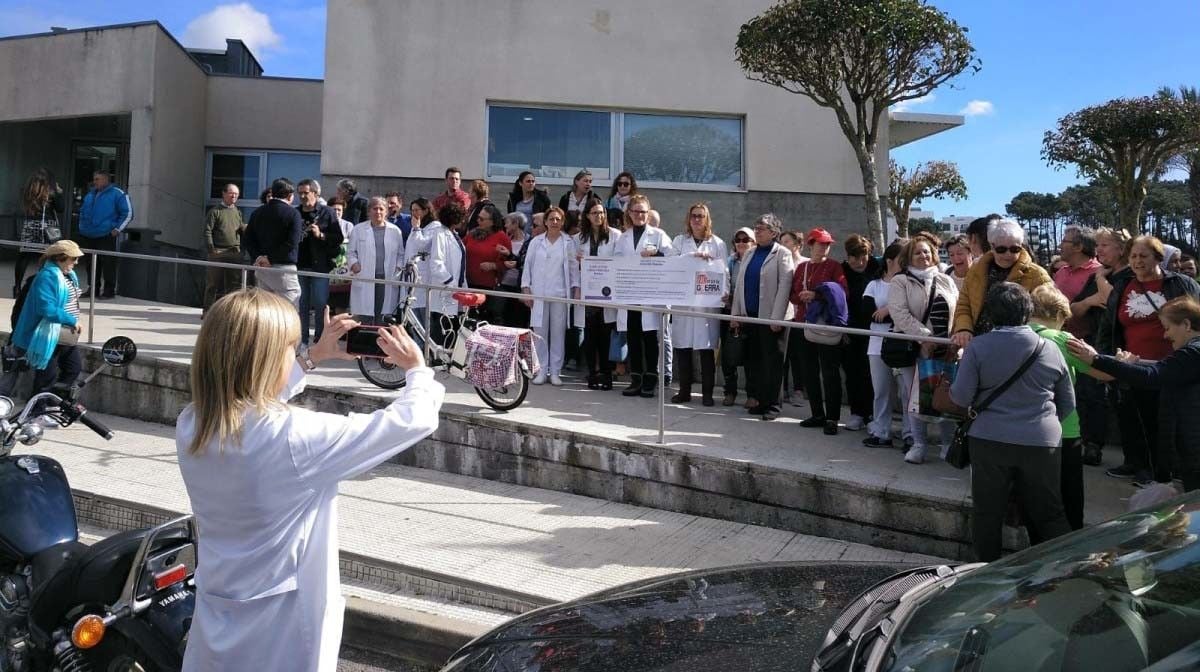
(1005, 229)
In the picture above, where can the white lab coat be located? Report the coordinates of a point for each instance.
(653, 236)
(605, 251)
(697, 332)
(418, 242)
(537, 278)
(267, 583)
(361, 250)
(443, 266)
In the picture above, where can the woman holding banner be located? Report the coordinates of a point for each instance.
(641, 328)
(596, 239)
(697, 333)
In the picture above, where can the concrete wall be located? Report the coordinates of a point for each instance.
(173, 187)
(395, 105)
(77, 73)
(264, 113)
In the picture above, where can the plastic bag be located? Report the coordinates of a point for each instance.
(930, 373)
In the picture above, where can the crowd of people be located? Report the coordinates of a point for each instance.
(1105, 336)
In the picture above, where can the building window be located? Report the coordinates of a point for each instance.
(683, 150)
(553, 143)
(241, 169)
(662, 150)
(252, 171)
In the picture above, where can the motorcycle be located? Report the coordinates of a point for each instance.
(123, 604)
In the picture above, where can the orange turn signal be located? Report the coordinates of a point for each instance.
(88, 631)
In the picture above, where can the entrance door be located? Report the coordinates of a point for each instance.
(86, 159)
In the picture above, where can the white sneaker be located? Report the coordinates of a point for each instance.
(555, 380)
(915, 455)
(856, 423)
(539, 379)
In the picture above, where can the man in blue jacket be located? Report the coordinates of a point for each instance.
(105, 213)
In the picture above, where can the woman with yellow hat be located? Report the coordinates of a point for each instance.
(47, 329)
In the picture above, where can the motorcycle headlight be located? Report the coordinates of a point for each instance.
(6, 407)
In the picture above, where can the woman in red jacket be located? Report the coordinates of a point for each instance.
(485, 261)
(822, 377)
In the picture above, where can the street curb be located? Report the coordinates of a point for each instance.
(418, 637)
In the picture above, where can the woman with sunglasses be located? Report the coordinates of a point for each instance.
(733, 356)
(596, 239)
(1007, 261)
(697, 333)
(623, 188)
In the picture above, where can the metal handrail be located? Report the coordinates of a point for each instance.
(662, 311)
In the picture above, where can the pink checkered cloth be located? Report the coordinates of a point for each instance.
(493, 353)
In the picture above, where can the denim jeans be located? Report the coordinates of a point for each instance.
(314, 295)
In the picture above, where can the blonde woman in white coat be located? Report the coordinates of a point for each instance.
(908, 303)
(367, 260)
(262, 479)
(641, 328)
(596, 239)
(697, 333)
(551, 269)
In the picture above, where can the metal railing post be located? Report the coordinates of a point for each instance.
(662, 377)
(92, 300)
(428, 333)
(245, 277)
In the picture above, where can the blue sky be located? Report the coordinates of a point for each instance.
(1041, 60)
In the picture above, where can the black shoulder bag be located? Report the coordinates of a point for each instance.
(959, 456)
(899, 353)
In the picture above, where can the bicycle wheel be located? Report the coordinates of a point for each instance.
(506, 397)
(380, 373)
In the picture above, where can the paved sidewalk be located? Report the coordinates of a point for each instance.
(550, 546)
(168, 332)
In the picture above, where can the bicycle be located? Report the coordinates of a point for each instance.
(449, 356)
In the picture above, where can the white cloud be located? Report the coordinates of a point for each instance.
(241, 21)
(905, 106)
(976, 108)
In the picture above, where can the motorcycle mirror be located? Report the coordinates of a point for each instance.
(6, 407)
(119, 351)
(30, 434)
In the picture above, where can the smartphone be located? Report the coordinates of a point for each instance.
(364, 342)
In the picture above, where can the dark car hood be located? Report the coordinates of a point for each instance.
(756, 617)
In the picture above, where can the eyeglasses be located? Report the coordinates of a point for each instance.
(639, 212)
(741, 240)
(696, 215)
(1010, 249)
(624, 184)
(303, 193)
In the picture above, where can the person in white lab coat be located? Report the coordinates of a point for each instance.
(641, 328)
(262, 478)
(697, 333)
(596, 239)
(368, 259)
(447, 254)
(551, 269)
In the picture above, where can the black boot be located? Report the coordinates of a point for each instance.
(593, 381)
(708, 376)
(683, 359)
(606, 380)
(649, 385)
(635, 385)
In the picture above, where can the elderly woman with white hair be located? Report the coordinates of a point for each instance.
(1007, 261)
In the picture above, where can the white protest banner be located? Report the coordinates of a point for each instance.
(654, 281)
